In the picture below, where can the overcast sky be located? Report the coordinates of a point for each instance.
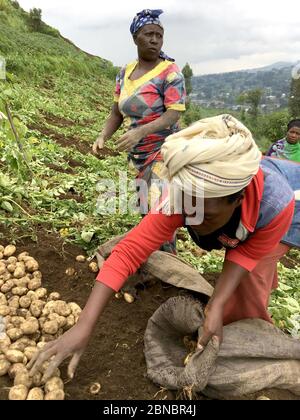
(213, 36)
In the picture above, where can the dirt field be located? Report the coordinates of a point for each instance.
(115, 355)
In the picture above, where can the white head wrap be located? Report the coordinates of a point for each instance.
(220, 151)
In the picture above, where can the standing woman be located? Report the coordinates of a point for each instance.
(149, 98)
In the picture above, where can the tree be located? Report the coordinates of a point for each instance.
(35, 19)
(188, 74)
(252, 98)
(294, 102)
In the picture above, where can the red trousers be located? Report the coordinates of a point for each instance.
(251, 298)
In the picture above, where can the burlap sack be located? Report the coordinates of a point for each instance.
(254, 355)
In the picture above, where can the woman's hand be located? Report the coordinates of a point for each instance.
(213, 325)
(98, 145)
(72, 343)
(127, 142)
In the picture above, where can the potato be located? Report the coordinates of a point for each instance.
(40, 345)
(11, 268)
(54, 296)
(2, 268)
(50, 327)
(94, 267)
(31, 265)
(30, 326)
(3, 300)
(19, 273)
(31, 294)
(4, 310)
(75, 309)
(23, 378)
(7, 286)
(70, 271)
(13, 311)
(5, 342)
(6, 276)
(70, 322)
(53, 384)
(1, 283)
(14, 356)
(19, 291)
(9, 250)
(17, 321)
(41, 293)
(25, 302)
(49, 308)
(128, 298)
(28, 342)
(15, 369)
(22, 255)
(14, 302)
(36, 308)
(1, 255)
(57, 395)
(14, 333)
(4, 367)
(22, 282)
(1, 249)
(80, 258)
(37, 275)
(61, 320)
(61, 308)
(29, 352)
(18, 345)
(18, 393)
(37, 379)
(34, 283)
(12, 260)
(35, 394)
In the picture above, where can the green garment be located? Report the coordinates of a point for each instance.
(292, 151)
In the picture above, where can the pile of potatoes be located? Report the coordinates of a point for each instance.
(29, 318)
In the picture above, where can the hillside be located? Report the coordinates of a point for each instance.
(222, 90)
(59, 97)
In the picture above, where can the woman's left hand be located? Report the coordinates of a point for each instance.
(213, 325)
(129, 140)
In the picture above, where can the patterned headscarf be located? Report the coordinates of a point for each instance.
(219, 151)
(148, 17)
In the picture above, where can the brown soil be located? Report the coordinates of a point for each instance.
(106, 152)
(75, 164)
(58, 121)
(72, 195)
(60, 169)
(81, 146)
(115, 355)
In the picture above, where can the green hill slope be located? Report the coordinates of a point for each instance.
(59, 97)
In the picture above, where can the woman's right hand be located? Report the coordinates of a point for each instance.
(98, 145)
(72, 343)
